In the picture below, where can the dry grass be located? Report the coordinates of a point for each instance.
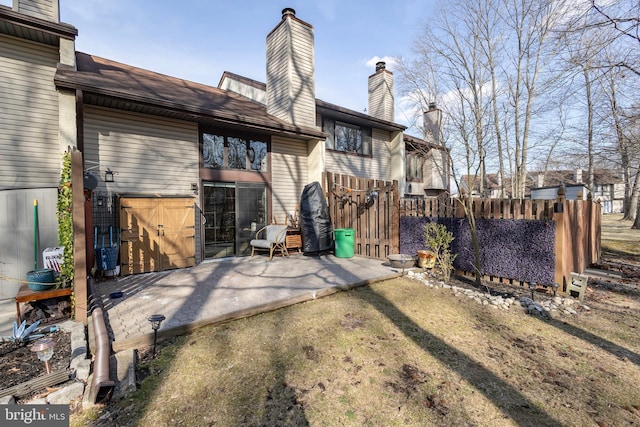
(399, 353)
(619, 239)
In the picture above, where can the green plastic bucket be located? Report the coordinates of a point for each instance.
(345, 242)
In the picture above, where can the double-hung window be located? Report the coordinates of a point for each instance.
(347, 137)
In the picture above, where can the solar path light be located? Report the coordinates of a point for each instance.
(44, 350)
(155, 320)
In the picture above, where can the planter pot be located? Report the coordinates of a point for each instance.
(401, 261)
(426, 259)
(41, 279)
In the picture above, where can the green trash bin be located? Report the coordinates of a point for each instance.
(345, 241)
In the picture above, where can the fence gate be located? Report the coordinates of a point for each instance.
(370, 207)
(156, 233)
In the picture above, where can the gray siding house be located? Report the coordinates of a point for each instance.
(184, 171)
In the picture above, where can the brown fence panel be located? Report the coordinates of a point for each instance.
(370, 207)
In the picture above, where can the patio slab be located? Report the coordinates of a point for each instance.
(222, 290)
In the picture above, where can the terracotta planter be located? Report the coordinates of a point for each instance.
(426, 259)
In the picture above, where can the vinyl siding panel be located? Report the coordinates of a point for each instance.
(28, 114)
(378, 166)
(290, 73)
(17, 233)
(150, 154)
(43, 9)
(290, 175)
(381, 96)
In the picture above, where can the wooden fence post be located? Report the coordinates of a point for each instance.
(558, 217)
(79, 238)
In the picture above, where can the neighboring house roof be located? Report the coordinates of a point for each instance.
(31, 28)
(122, 86)
(323, 107)
(242, 79)
(551, 179)
(569, 177)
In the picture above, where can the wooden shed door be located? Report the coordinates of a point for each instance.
(156, 234)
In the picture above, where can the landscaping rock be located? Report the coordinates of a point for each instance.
(543, 308)
(82, 369)
(67, 394)
(7, 400)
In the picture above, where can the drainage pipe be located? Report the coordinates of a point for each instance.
(102, 386)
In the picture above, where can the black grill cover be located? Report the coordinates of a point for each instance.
(315, 224)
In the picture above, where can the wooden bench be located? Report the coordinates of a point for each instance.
(26, 295)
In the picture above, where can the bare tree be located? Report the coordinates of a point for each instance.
(605, 42)
(623, 16)
(532, 24)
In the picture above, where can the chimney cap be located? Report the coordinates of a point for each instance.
(288, 11)
(380, 65)
(432, 106)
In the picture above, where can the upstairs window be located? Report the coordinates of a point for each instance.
(415, 163)
(230, 152)
(347, 137)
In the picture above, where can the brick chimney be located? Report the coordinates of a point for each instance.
(49, 10)
(290, 71)
(381, 93)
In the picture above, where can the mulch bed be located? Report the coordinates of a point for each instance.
(19, 364)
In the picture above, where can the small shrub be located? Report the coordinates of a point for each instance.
(438, 239)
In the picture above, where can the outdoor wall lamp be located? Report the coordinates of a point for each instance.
(155, 320)
(100, 201)
(108, 175)
(532, 288)
(44, 350)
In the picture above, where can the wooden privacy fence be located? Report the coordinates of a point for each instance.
(578, 222)
(370, 208)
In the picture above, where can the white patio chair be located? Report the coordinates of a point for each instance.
(270, 238)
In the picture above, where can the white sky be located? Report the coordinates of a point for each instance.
(199, 39)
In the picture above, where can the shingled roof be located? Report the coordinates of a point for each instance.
(116, 85)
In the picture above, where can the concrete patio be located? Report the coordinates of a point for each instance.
(221, 290)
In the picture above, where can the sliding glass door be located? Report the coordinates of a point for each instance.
(233, 213)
